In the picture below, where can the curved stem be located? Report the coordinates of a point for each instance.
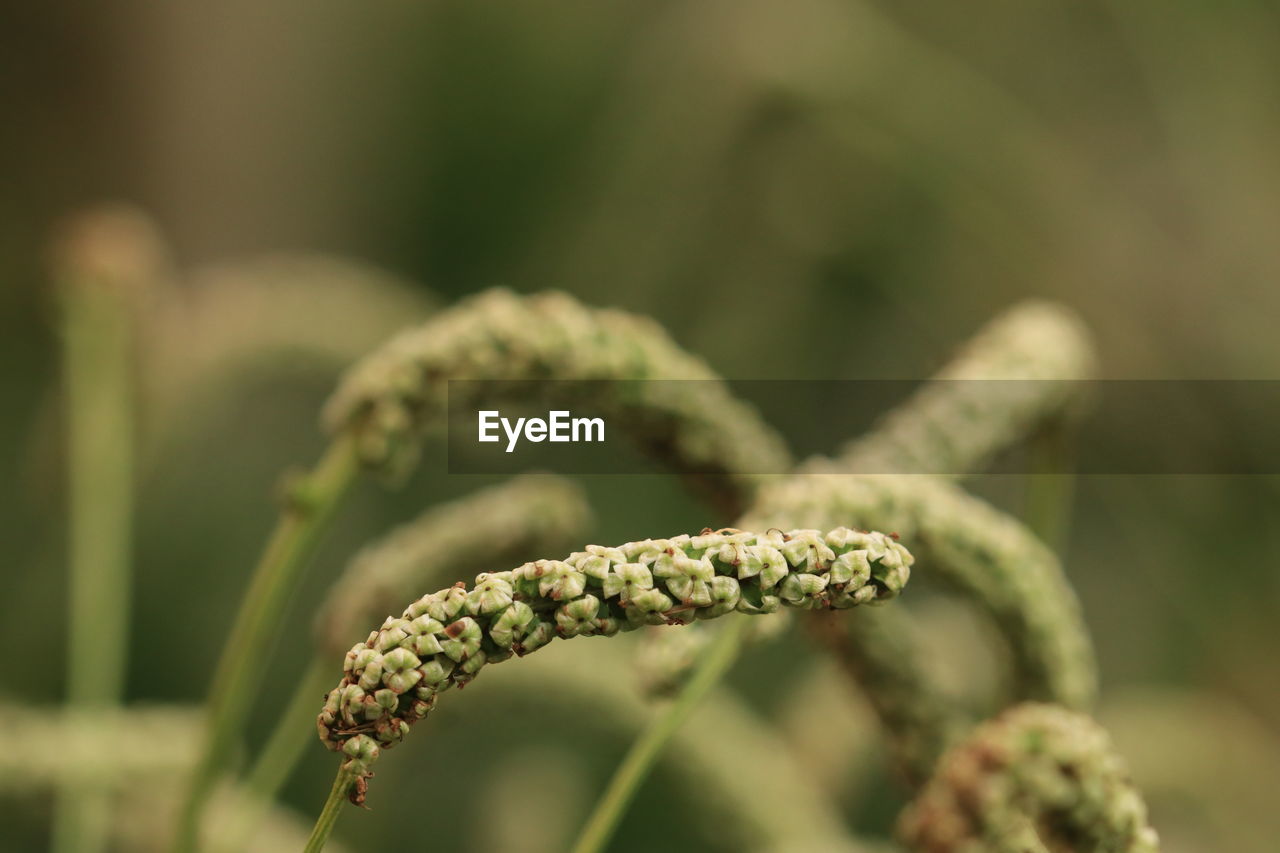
(310, 505)
(645, 751)
(97, 367)
(329, 814)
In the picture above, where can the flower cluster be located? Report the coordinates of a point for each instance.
(1038, 777)
(987, 555)
(390, 397)
(1026, 365)
(442, 640)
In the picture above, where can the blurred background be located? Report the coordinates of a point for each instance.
(863, 183)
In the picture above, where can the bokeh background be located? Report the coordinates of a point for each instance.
(859, 184)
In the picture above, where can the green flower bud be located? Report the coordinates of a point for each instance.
(426, 644)
(424, 624)
(392, 634)
(540, 633)
(803, 590)
(402, 682)
(399, 660)
(578, 616)
(807, 550)
(463, 638)
(490, 595)
(556, 580)
(765, 562)
(626, 580)
(436, 670)
(594, 566)
(650, 601)
(725, 593)
(360, 748)
(852, 568)
(387, 700)
(371, 677)
(511, 624)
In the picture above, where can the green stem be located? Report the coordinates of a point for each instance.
(311, 503)
(283, 750)
(294, 730)
(329, 814)
(646, 749)
(98, 364)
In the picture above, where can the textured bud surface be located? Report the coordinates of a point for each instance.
(392, 679)
(1036, 778)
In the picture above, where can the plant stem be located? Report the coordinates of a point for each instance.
(97, 366)
(645, 750)
(284, 748)
(329, 814)
(294, 729)
(309, 506)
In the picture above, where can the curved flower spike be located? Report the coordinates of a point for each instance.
(390, 398)
(1026, 365)
(1036, 778)
(989, 556)
(391, 680)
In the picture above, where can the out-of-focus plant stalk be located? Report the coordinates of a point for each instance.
(310, 502)
(646, 749)
(276, 760)
(104, 260)
(283, 749)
